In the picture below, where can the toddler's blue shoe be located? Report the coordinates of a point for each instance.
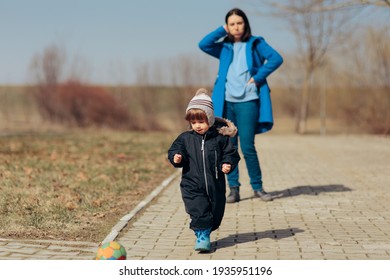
(202, 240)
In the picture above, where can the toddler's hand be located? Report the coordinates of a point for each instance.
(177, 158)
(226, 168)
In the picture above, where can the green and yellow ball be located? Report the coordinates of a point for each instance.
(111, 251)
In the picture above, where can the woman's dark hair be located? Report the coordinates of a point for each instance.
(247, 31)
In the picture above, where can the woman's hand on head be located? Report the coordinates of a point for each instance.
(225, 27)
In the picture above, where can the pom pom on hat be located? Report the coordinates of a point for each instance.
(202, 101)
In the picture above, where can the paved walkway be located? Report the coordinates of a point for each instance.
(331, 201)
(46, 250)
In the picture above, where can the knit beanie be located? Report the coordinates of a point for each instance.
(202, 101)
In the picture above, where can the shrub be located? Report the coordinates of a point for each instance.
(367, 109)
(82, 105)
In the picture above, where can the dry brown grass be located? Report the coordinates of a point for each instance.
(76, 186)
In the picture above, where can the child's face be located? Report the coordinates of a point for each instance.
(200, 126)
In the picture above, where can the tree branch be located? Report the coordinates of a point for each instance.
(330, 7)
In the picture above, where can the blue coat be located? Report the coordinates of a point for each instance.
(262, 60)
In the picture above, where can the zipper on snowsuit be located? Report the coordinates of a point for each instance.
(204, 164)
(216, 165)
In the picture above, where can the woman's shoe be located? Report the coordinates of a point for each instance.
(263, 195)
(234, 195)
(202, 243)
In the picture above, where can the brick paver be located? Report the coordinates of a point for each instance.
(46, 250)
(331, 201)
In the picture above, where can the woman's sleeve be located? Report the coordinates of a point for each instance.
(272, 60)
(211, 43)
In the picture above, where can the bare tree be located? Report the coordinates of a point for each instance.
(335, 5)
(379, 52)
(366, 80)
(47, 70)
(366, 59)
(315, 24)
(315, 28)
(48, 67)
(314, 32)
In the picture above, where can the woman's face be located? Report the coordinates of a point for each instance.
(236, 27)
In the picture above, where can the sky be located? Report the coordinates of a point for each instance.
(105, 33)
(108, 37)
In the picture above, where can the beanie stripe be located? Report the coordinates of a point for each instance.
(202, 101)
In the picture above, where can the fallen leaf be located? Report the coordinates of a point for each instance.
(28, 170)
(70, 205)
(82, 177)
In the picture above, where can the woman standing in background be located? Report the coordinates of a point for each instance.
(241, 93)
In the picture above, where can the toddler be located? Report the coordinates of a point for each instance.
(205, 153)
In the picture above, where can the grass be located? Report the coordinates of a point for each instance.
(76, 186)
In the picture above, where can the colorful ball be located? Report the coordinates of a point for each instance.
(111, 251)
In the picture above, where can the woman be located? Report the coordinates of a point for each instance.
(241, 93)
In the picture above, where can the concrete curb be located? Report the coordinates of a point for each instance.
(126, 219)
